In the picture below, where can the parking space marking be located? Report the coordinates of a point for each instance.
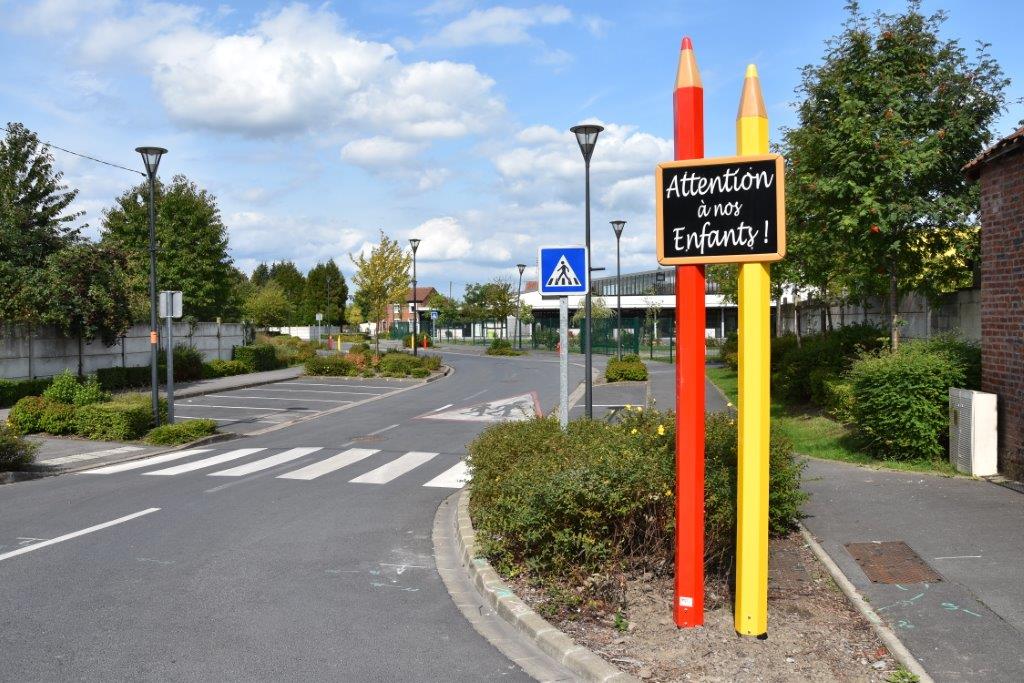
(75, 534)
(342, 384)
(283, 410)
(321, 391)
(276, 398)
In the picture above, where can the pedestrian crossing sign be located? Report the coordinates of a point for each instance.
(563, 271)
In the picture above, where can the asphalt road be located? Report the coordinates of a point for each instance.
(300, 554)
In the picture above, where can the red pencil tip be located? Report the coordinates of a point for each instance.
(687, 44)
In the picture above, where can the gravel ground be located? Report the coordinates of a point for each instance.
(814, 634)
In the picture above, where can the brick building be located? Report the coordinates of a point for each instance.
(403, 311)
(1000, 172)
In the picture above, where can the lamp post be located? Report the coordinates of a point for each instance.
(586, 137)
(519, 306)
(415, 244)
(151, 159)
(617, 226)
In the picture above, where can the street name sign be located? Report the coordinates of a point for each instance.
(170, 304)
(721, 210)
(563, 271)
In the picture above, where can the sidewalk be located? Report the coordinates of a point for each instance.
(61, 454)
(970, 624)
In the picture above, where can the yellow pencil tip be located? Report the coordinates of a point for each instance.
(751, 71)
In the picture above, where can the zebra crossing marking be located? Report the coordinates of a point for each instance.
(205, 462)
(146, 462)
(454, 477)
(395, 468)
(265, 463)
(318, 469)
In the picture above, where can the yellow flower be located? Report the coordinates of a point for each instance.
(668, 493)
(629, 406)
(633, 431)
(661, 430)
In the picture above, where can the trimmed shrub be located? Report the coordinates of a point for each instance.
(573, 509)
(900, 401)
(188, 364)
(501, 347)
(629, 368)
(546, 337)
(258, 358)
(115, 379)
(180, 432)
(15, 452)
(353, 337)
(965, 354)
(90, 391)
(224, 368)
(359, 347)
(419, 373)
(120, 420)
(24, 416)
(63, 388)
(431, 362)
(730, 352)
(398, 364)
(830, 354)
(57, 418)
(838, 398)
(331, 366)
(12, 391)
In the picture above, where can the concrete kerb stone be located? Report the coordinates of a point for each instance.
(508, 605)
(898, 650)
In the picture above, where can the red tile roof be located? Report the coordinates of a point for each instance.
(422, 293)
(1001, 147)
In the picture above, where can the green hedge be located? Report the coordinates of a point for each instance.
(57, 418)
(115, 379)
(123, 419)
(628, 368)
(398, 364)
(502, 347)
(15, 452)
(330, 366)
(188, 364)
(26, 413)
(799, 372)
(11, 391)
(181, 432)
(258, 358)
(224, 368)
(573, 509)
(900, 401)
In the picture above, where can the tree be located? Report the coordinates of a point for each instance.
(260, 275)
(88, 294)
(293, 283)
(242, 289)
(192, 245)
(500, 300)
(34, 217)
(888, 119)
(354, 315)
(447, 309)
(382, 278)
(269, 306)
(598, 311)
(323, 280)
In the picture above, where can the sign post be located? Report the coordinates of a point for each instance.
(563, 271)
(732, 210)
(170, 308)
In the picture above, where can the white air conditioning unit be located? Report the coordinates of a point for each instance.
(972, 432)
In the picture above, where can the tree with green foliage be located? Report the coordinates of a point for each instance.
(598, 311)
(326, 292)
(88, 294)
(192, 246)
(293, 282)
(354, 315)
(447, 309)
(269, 306)
(381, 278)
(242, 290)
(260, 275)
(888, 119)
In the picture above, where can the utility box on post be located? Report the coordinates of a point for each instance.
(972, 432)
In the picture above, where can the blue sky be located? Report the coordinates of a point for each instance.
(318, 124)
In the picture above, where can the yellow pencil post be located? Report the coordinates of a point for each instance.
(751, 615)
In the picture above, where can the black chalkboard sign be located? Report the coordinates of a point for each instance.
(724, 210)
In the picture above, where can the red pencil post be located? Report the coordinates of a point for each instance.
(688, 609)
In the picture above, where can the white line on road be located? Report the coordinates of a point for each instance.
(351, 386)
(146, 462)
(394, 469)
(75, 534)
(206, 462)
(446, 405)
(321, 391)
(178, 416)
(265, 463)
(90, 456)
(959, 557)
(482, 391)
(381, 431)
(452, 478)
(317, 469)
(278, 398)
(281, 410)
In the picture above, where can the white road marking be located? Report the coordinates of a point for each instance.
(321, 391)
(75, 534)
(278, 398)
(351, 386)
(146, 462)
(205, 462)
(317, 469)
(265, 463)
(452, 478)
(90, 456)
(221, 419)
(959, 557)
(283, 410)
(446, 405)
(381, 431)
(395, 468)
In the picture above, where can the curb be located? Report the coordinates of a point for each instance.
(896, 648)
(496, 592)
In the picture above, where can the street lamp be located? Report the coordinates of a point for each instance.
(586, 137)
(151, 159)
(617, 226)
(519, 306)
(415, 244)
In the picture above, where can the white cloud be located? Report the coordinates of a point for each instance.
(256, 236)
(631, 194)
(56, 16)
(499, 25)
(379, 152)
(597, 26)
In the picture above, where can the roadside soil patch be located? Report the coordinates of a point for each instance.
(814, 634)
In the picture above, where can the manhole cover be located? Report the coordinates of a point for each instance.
(891, 562)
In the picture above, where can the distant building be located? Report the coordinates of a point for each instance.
(402, 312)
(1000, 172)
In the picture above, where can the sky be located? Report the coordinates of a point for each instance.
(319, 124)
